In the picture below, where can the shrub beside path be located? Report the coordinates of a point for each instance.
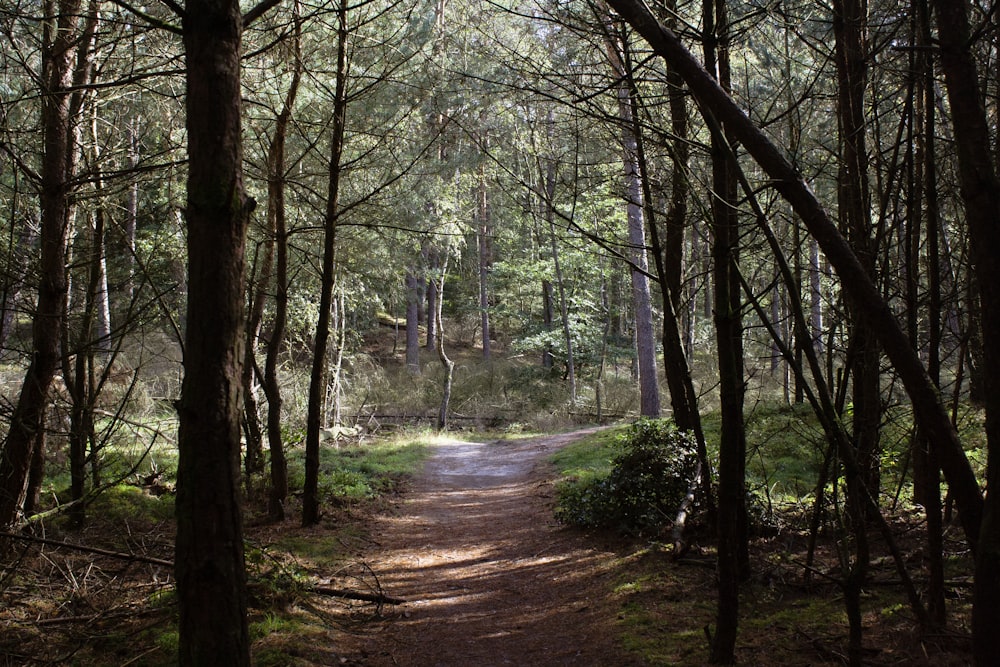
(489, 576)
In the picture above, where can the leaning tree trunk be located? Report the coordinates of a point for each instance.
(210, 568)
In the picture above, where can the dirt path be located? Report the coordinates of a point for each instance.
(489, 577)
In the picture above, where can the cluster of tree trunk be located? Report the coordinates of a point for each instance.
(877, 322)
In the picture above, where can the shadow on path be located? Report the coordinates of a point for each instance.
(489, 577)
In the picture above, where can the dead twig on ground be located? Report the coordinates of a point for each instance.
(85, 549)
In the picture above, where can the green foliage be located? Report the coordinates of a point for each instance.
(352, 473)
(649, 478)
(125, 503)
(785, 447)
(273, 581)
(168, 641)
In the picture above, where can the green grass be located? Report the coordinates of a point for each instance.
(589, 458)
(355, 472)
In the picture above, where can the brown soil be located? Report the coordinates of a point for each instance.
(488, 576)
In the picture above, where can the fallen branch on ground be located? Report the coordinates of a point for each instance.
(93, 550)
(378, 598)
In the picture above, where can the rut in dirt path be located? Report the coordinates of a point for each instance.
(489, 576)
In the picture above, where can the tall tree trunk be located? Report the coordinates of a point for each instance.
(413, 299)
(19, 244)
(815, 297)
(79, 350)
(549, 178)
(278, 491)
(59, 43)
(254, 457)
(484, 238)
(547, 319)
(132, 207)
(564, 309)
(430, 263)
(788, 182)
(733, 557)
(645, 341)
(676, 218)
(446, 362)
(210, 568)
(849, 21)
(317, 379)
(78, 371)
(668, 258)
(927, 485)
(981, 193)
(99, 259)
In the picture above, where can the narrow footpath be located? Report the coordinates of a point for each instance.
(490, 578)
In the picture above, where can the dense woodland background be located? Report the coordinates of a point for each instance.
(264, 193)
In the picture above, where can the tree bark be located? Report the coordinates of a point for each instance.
(789, 183)
(849, 19)
(317, 380)
(484, 238)
(413, 298)
(645, 341)
(981, 194)
(59, 43)
(278, 491)
(733, 556)
(210, 568)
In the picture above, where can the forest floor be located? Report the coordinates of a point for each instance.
(490, 578)
(485, 575)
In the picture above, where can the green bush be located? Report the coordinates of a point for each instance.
(648, 481)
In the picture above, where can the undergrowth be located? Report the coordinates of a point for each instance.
(649, 476)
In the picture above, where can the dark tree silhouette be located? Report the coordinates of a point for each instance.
(210, 568)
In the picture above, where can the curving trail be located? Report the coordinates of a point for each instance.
(489, 576)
